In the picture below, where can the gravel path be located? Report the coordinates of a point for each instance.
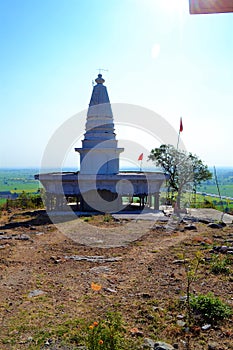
(87, 234)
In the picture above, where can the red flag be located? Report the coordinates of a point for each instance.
(140, 157)
(181, 125)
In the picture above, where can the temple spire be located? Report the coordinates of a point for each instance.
(99, 152)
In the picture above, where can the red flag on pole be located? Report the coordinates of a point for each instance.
(181, 125)
(140, 157)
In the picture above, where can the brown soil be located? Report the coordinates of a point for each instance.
(145, 285)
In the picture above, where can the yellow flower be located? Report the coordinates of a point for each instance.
(95, 287)
(91, 326)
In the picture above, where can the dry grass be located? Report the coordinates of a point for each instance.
(145, 286)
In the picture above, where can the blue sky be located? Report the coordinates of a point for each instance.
(157, 55)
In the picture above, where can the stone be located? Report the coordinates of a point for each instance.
(35, 293)
(57, 259)
(22, 237)
(5, 237)
(150, 317)
(100, 269)
(180, 261)
(99, 259)
(163, 346)
(183, 298)
(223, 224)
(217, 236)
(223, 249)
(158, 227)
(214, 225)
(37, 233)
(206, 327)
(180, 323)
(58, 345)
(190, 227)
(204, 221)
(191, 218)
(148, 343)
(157, 308)
(208, 259)
(145, 295)
(180, 317)
(213, 346)
(110, 290)
(48, 342)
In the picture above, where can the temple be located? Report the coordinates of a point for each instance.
(99, 185)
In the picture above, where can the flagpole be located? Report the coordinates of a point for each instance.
(176, 209)
(141, 166)
(178, 141)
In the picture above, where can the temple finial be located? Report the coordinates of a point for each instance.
(99, 80)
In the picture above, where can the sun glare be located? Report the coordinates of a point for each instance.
(170, 5)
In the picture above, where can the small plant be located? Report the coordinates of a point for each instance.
(210, 308)
(86, 219)
(220, 265)
(208, 204)
(107, 218)
(107, 334)
(191, 269)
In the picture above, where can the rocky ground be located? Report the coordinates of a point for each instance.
(52, 286)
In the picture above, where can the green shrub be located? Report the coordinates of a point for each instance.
(107, 218)
(210, 308)
(24, 201)
(86, 219)
(208, 204)
(106, 334)
(220, 265)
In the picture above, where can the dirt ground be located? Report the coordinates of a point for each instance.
(44, 290)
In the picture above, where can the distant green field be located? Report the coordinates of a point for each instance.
(225, 190)
(2, 201)
(222, 205)
(18, 180)
(189, 200)
(225, 180)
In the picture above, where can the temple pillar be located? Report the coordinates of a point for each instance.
(156, 201)
(149, 201)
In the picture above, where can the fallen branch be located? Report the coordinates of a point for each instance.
(99, 259)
